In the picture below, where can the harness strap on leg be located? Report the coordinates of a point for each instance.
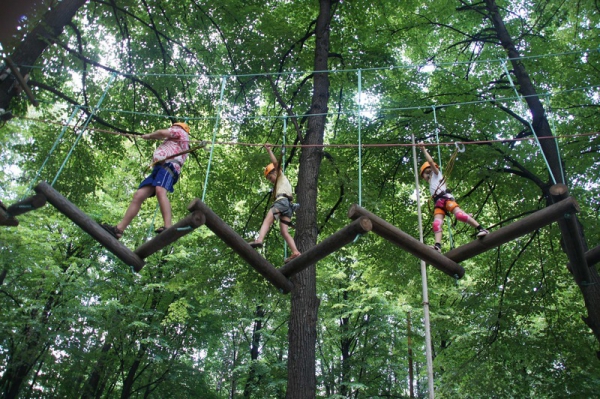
(288, 222)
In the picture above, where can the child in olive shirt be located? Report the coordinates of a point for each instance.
(281, 209)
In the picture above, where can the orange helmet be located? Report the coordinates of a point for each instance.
(183, 125)
(425, 166)
(269, 169)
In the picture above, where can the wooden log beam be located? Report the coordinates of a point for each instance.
(329, 245)
(572, 241)
(172, 234)
(591, 257)
(5, 218)
(408, 243)
(241, 247)
(28, 204)
(514, 230)
(88, 225)
(21, 80)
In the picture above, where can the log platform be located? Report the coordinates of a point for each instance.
(514, 230)
(172, 234)
(408, 243)
(90, 226)
(241, 247)
(28, 204)
(6, 219)
(329, 245)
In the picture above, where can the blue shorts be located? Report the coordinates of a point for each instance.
(163, 175)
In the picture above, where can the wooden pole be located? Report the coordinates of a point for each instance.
(514, 230)
(28, 204)
(6, 219)
(329, 245)
(172, 234)
(15, 71)
(88, 225)
(241, 247)
(408, 243)
(571, 236)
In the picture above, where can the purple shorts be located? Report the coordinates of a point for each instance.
(163, 175)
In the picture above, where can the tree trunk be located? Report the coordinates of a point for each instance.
(302, 333)
(3, 276)
(128, 383)
(21, 362)
(411, 373)
(10, 19)
(37, 41)
(345, 345)
(539, 120)
(254, 352)
(590, 289)
(90, 389)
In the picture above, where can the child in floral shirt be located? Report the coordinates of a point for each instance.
(168, 160)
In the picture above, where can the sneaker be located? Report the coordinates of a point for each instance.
(482, 233)
(255, 244)
(437, 248)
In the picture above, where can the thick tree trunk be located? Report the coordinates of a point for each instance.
(10, 19)
(37, 41)
(302, 333)
(589, 289)
(526, 88)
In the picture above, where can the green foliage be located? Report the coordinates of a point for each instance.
(185, 326)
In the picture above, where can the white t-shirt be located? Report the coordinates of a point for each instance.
(437, 184)
(283, 186)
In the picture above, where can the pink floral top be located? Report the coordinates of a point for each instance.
(178, 142)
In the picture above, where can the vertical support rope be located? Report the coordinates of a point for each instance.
(423, 278)
(85, 125)
(437, 140)
(359, 140)
(562, 172)
(283, 171)
(58, 139)
(359, 146)
(512, 84)
(212, 147)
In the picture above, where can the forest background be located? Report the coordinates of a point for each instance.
(199, 322)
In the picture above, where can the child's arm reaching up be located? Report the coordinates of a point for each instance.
(271, 155)
(429, 160)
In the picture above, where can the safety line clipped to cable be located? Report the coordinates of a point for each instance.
(444, 181)
(216, 127)
(512, 84)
